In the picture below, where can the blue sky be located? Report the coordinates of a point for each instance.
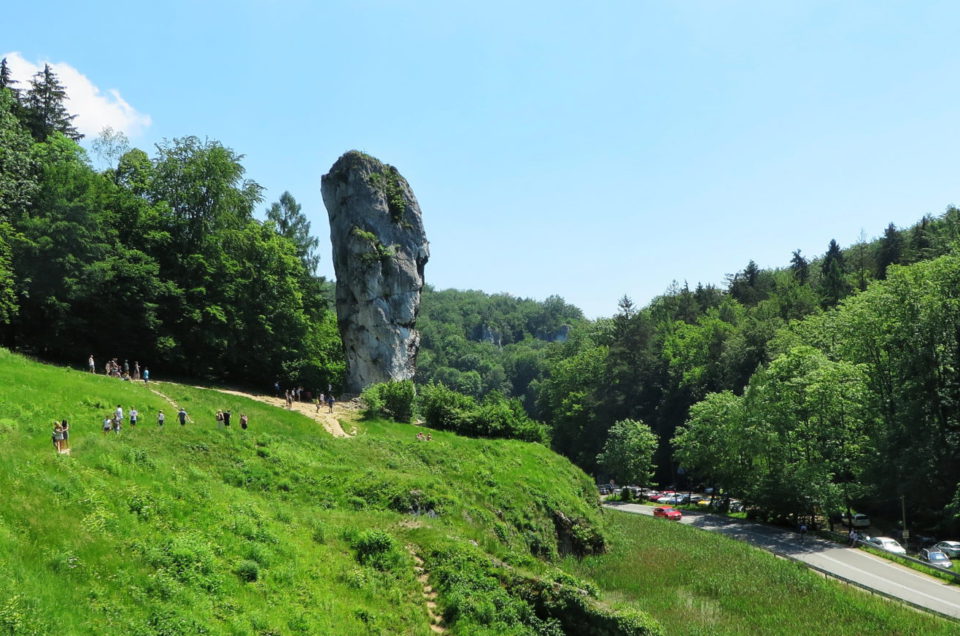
(589, 150)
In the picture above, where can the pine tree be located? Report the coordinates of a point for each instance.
(6, 79)
(46, 113)
(833, 285)
(292, 224)
(890, 251)
(800, 267)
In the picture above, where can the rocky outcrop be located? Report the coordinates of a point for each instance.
(379, 251)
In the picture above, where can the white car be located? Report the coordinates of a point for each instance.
(888, 544)
(950, 548)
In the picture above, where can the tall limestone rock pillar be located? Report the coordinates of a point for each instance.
(379, 250)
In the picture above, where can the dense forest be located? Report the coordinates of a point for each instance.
(156, 259)
(828, 383)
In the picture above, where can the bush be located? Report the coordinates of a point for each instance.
(496, 417)
(248, 570)
(377, 549)
(390, 399)
(442, 408)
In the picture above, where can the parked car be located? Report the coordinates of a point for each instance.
(667, 513)
(950, 548)
(671, 500)
(860, 520)
(935, 558)
(654, 495)
(886, 543)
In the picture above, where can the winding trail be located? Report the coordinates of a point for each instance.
(429, 594)
(329, 421)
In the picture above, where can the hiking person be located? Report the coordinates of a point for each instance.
(117, 424)
(65, 443)
(57, 437)
(146, 375)
(182, 416)
(803, 531)
(219, 418)
(118, 414)
(276, 388)
(243, 421)
(226, 418)
(107, 424)
(136, 370)
(126, 367)
(160, 418)
(330, 402)
(91, 364)
(318, 402)
(133, 416)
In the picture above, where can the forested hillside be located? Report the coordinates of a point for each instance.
(875, 397)
(477, 343)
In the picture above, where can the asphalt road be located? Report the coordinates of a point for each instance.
(858, 566)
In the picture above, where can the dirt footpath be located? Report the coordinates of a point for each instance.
(329, 421)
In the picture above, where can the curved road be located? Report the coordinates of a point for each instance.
(857, 566)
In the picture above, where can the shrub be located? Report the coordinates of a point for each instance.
(443, 408)
(390, 399)
(377, 549)
(248, 570)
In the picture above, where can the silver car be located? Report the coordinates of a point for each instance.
(950, 548)
(935, 558)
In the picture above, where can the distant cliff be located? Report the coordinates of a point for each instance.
(379, 252)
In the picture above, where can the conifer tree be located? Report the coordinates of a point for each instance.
(46, 112)
(890, 250)
(6, 79)
(799, 267)
(833, 285)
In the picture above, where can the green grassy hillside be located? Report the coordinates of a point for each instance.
(275, 530)
(283, 529)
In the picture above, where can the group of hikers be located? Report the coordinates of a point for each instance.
(113, 423)
(124, 372)
(299, 395)
(223, 419)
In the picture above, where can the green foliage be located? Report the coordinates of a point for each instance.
(694, 582)
(388, 182)
(376, 251)
(495, 416)
(378, 550)
(182, 519)
(390, 399)
(628, 452)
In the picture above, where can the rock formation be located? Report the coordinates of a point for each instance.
(379, 250)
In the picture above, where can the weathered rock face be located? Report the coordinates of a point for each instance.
(379, 251)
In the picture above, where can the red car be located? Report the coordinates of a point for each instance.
(667, 513)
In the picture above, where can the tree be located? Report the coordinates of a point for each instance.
(833, 284)
(203, 185)
(7, 81)
(799, 267)
(890, 251)
(628, 452)
(110, 145)
(46, 109)
(293, 224)
(18, 167)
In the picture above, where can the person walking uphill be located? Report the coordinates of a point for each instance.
(182, 416)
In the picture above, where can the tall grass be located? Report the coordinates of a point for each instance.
(697, 582)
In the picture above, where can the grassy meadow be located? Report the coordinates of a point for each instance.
(696, 582)
(283, 529)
